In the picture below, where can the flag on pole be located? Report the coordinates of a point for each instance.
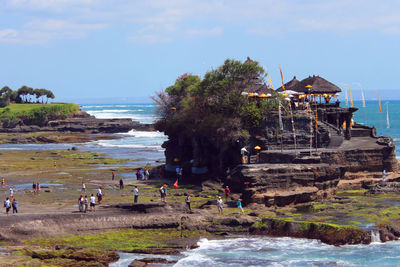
(351, 98)
(280, 116)
(387, 116)
(270, 82)
(380, 105)
(283, 84)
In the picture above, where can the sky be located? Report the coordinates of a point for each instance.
(126, 50)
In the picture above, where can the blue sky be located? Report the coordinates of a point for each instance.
(128, 49)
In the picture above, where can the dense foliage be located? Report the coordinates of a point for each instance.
(215, 106)
(24, 94)
(35, 114)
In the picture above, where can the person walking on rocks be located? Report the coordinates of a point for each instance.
(121, 184)
(136, 194)
(83, 187)
(38, 188)
(227, 192)
(239, 205)
(99, 195)
(113, 175)
(7, 205)
(187, 200)
(85, 203)
(11, 192)
(34, 188)
(162, 193)
(92, 203)
(80, 203)
(220, 204)
(384, 176)
(15, 206)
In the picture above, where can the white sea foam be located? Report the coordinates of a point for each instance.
(144, 134)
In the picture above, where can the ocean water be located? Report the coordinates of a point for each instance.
(370, 115)
(141, 146)
(278, 251)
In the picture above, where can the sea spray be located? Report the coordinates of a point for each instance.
(375, 236)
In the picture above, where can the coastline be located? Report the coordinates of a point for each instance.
(54, 213)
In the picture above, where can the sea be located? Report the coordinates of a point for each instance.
(142, 147)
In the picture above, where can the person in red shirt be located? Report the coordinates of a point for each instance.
(227, 192)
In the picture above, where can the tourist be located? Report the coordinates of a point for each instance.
(187, 200)
(83, 188)
(162, 193)
(239, 205)
(55, 165)
(80, 203)
(138, 174)
(7, 205)
(141, 174)
(136, 194)
(384, 176)
(92, 203)
(38, 188)
(165, 192)
(15, 206)
(11, 192)
(113, 175)
(227, 192)
(85, 202)
(99, 195)
(146, 174)
(121, 184)
(3, 182)
(34, 188)
(220, 204)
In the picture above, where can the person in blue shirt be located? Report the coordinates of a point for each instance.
(15, 206)
(239, 205)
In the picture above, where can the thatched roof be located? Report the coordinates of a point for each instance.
(291, 85)
(319, 86)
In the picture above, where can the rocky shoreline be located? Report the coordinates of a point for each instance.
(82, 122)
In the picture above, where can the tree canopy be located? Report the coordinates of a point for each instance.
(24, 94)
(215, 106)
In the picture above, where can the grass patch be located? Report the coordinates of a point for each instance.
(123, 240)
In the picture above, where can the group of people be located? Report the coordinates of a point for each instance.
(142, 174)
(35, 188)
(83, 203)
(220, 205)
(9, 203)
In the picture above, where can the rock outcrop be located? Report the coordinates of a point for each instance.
(285, 184)
(84, 123)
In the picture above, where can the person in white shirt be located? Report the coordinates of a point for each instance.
(136, 193)
(92, 203)
(220, 204)
(99, 195)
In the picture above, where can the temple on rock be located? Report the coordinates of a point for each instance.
(302, 149)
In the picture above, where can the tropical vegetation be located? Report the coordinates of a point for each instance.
(24, 94)
(216, 106)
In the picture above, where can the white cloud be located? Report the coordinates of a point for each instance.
(160, 21)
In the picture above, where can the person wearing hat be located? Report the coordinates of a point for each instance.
(220, 204)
